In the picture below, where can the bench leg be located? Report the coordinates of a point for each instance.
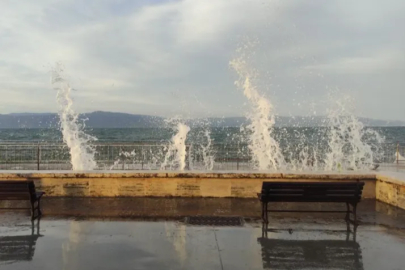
(349, 231)
(262, 203)
(39, 207)
(264, 229)
(355, 231)
(347, 212)
(33, 226)
(355, 213)
(265, 216)
(32, 210)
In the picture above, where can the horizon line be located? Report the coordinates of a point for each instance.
(210, 117)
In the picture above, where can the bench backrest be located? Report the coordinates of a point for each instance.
(17, 190)
(312, 191)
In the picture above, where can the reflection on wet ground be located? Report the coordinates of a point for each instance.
(344, 253)
(288, 242)
(15, 248)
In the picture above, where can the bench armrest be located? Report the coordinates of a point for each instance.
(39, 194)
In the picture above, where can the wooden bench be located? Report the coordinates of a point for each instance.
(22, 190)
(324, 192)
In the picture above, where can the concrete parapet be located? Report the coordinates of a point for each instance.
(390, 188)
(172, 184)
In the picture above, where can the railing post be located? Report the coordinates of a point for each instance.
(237, 157)
(38, 156)
(142, 157)
(397, 153)
(6, 156)
(188, 153)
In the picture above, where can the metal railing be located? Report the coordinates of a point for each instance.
(393, 157)
(150, 156)
(117, 156)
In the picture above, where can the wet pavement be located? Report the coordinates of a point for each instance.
(134, 240)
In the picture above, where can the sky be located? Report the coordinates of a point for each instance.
(170, 57)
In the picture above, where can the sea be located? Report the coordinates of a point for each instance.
(222, 135)
(216, 146)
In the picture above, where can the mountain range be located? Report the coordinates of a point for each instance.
(100, 119)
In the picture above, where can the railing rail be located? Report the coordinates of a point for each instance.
(150, 155)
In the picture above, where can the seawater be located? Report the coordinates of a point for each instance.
(223, 145)
(219, 135)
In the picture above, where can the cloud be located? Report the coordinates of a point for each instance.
(149, 56)
(370, 64)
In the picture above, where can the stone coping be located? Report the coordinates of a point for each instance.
(188, 174)
(392, 177)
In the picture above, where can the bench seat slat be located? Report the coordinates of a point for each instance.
(313, 183)
(6, 195)
(13, 188)
(13, 192)
(15, 198)
(311, 196)
(314, 187)
(310, 191)
(287, 197)
(297, 199)
(309, 184)
(13, 183)
(279, 196)
(16, 184)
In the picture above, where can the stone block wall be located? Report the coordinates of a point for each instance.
(170, 184)
(390, 188)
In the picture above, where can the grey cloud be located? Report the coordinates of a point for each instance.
(143, 57)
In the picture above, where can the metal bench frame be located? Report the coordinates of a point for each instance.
(325, 192)
(19, 191)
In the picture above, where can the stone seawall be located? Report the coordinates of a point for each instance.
(390, 188)
(171, 184)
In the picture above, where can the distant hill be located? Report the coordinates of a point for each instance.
(29, 120)
(121, 120)
(301, 121)
(101, 119)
